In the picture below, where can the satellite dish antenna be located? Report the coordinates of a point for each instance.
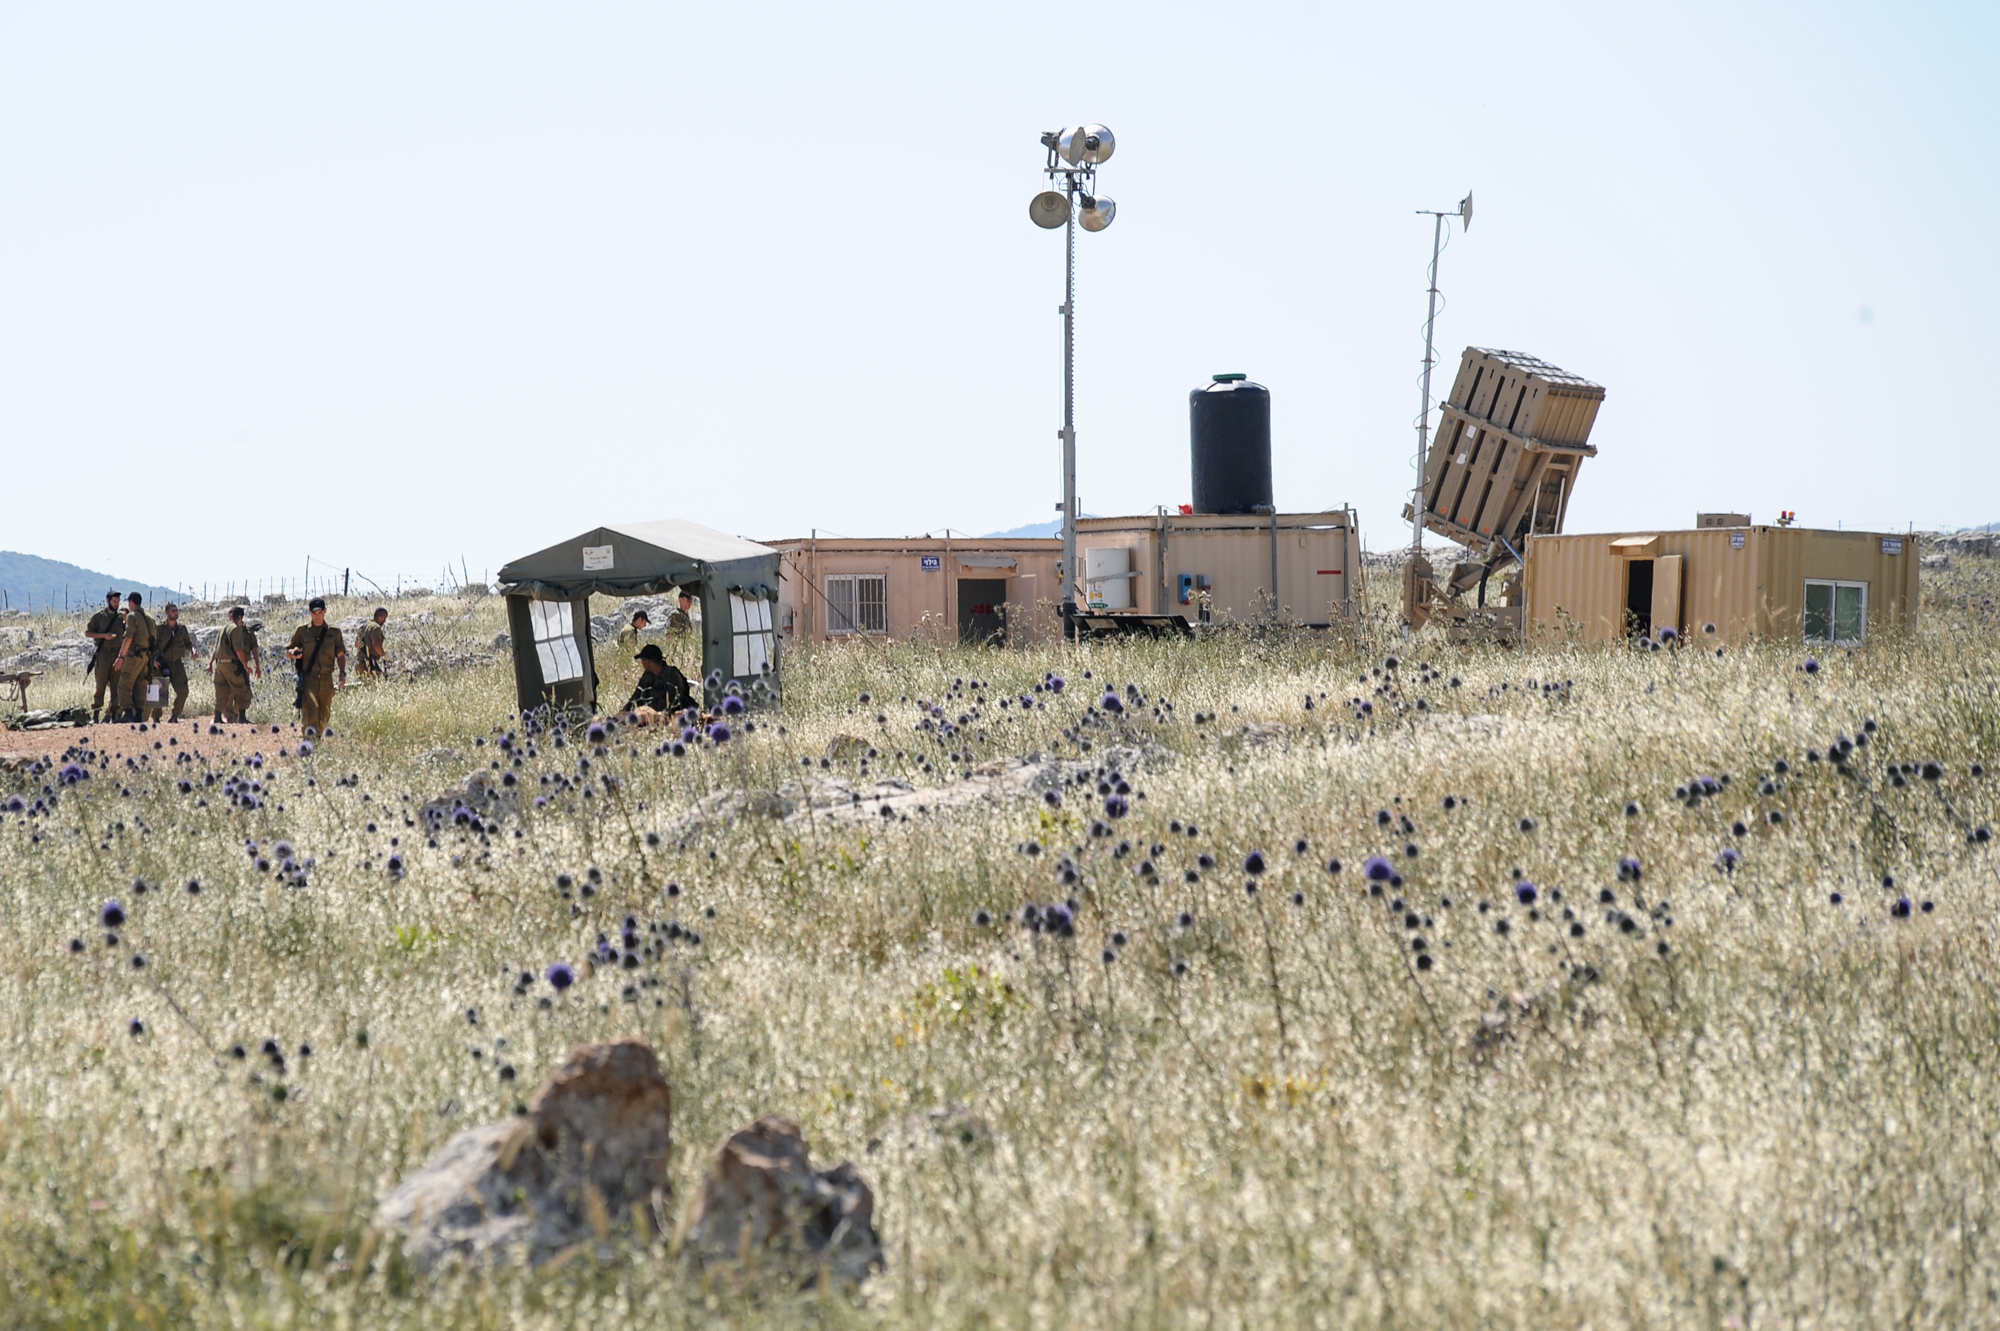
(1049, 210)
(1465, 210)
(1097, 212)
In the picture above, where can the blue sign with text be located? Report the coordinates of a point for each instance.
(932, 563)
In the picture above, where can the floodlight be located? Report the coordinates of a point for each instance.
(1097, 212)
(1465, 211)
(1098, 144)
(1049, 210)
(1070, 145)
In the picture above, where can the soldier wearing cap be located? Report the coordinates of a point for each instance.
(680, 628)
(318, 648)
(232, 663)
(628, 637)
(661, 687)
(134, 660)
(171, 652)
(106, 627)
(372, 645)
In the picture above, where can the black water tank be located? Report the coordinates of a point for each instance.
(1229, 424)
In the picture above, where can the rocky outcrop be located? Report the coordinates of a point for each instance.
(764, 1208)
(587, 1159)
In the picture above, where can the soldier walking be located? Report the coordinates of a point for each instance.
(171, 652)
(318, 648)
(234, 659)
(134, 660)
(106, 627)
(372, 645)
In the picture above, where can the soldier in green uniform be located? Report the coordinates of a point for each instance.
(372, 645)
(234, 660)
(681, 636)
(318, 648)
(171, 653)
(134, 661)
(106, 627)
(628, 637)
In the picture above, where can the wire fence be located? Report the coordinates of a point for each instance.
(318, 579)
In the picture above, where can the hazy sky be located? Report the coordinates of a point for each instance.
(391, 285)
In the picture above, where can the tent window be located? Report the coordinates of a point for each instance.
(1836, 611)
(750, 619)
(555, 641)
(857, 603)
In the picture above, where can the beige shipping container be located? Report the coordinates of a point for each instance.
(995, 591)
(1173, 558)
(1782, 582)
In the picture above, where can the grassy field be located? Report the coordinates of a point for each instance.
(1739, 1089)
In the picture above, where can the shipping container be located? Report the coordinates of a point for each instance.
(1734, 583)
(1294, 568)
(995, 591)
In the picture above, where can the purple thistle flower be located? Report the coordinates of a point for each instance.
(1055, 683)
(1111, 702)
(112, 914)
(561, 976)
(305, 749)
(1524, 891)
(733, 705)
(1901, 910)
(1253, 863)
(719, 732)
(1629, 870)
(72, 773)
(1811, 667)
(596, 734)
(1728, 859)
(1378, 870)
(1115, 806)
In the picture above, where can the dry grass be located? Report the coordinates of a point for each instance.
(1786, 1117)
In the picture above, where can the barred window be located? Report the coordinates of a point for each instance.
(857, 603)
(555, 641)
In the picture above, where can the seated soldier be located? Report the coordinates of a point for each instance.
(662, 688)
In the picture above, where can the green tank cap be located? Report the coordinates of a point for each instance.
(1228, 378)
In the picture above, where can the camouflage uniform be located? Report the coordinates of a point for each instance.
(372, 646)
(318, 709)
(106, 620)
(137, 648)
(172, 653)
(232, 675)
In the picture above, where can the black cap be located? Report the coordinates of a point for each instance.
(317, 603)
(236, 612)
(650, 652)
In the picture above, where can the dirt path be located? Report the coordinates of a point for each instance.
(20, 747)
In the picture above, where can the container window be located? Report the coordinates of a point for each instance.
(1836, 612)
(555, 641)
(857, 603)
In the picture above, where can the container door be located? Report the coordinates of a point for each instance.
(1668, 571)
(982, 608)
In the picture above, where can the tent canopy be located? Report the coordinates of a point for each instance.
(548, 602)
(640, 559)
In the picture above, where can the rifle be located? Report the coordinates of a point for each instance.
(305, 668)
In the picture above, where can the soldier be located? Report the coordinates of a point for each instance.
(171, 652)
(628, 637)
(680, 629)
(318, 648)
(106, 627)
(234, 659)
(372, 646)
(134, 660)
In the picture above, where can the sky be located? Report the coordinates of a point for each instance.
(392, 287)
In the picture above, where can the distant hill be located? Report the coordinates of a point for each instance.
(1031, 531)
(31, 581)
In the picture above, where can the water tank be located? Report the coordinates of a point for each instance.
(1229, 423)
